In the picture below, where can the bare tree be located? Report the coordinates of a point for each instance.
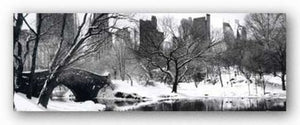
(79, 49)
(31, 35)
(217, 60)
(269, 30)
(37, 34)
(172, 57)
(120, 48)
(18, 63)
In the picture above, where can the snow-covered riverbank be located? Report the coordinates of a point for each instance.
(158, 92)
(24, 104)
(240, 88)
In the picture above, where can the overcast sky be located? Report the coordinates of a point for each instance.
(217, 19)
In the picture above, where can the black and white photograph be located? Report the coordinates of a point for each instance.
(149, 62)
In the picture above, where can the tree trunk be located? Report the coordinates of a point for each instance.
(131, 82)
(175, 83)
(229, 73)
(264, 85)
(220, 75)
(196, 84)
(256, 87)
(115, 73)
(34, 54)
(123, 73)
(17, 28)
(207, 73)
(260, 81)
(49, 85)
(46, 92)
(283, 81)
(249, 88)
(122, 70)
(60, 45)
(18, 69)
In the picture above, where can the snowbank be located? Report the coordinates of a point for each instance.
(24, 104)
(233, 86)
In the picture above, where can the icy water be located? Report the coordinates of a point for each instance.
(225, 104)
(202, 104)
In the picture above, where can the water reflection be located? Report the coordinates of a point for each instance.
(202, 104)
(112, 104)
(219, 104)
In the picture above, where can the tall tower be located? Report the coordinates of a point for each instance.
(51, 27)
(154, 21)
(100, 60)
(208, 26)
(201, 28)
(149, 34)
(103, 36)
(228, 34)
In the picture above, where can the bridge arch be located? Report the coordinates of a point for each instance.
(83, 84)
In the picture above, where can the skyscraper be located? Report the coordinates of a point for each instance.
(102, 36)
(149, 35)
(51, 28)
(201, 28)
(228, 34)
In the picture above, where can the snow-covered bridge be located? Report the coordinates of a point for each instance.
(83, 84)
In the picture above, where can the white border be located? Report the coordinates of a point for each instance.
(8, 116)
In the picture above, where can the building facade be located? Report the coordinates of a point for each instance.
(201, 28)
(51, 28)
(149, 35)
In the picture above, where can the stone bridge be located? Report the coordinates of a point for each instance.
(83, 84)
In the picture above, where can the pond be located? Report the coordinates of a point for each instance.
(201, 104)
(218, 104)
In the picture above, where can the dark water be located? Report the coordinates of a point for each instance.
(111, 105)
(202, 104)
(225, 104)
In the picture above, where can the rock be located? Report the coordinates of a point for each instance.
(149, 83)
(130, 97)
(119, 95)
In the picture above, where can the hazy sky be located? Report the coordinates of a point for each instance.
(216, 22)
(217, 19)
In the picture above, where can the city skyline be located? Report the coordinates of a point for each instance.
(217, 19)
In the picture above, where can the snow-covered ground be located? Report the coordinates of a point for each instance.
(24, 104)
(188, 90)
(161, 91)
